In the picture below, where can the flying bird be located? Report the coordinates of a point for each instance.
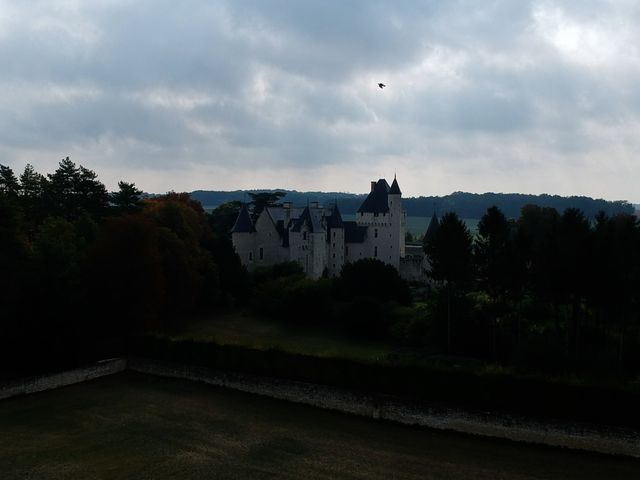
(381, 85)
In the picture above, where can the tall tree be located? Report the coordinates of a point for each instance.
(574, 256)
(450, 252)
(261, 200)
(222, 218)
(93, 197)
(9, 185)
(32, 198)
(127, 198)
(72, 190)
(492, 260)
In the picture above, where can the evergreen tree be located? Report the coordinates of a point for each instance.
(127, 198)
(9, 185)
(72, 190)
(32, 198)
(450, 252)
(492, 261)
(263, 199)
(574, 252)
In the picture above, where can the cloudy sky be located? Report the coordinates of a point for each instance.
(506, 96)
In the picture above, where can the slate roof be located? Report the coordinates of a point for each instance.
(395, 188)
(243, 222)
(433, 227)
(311, 220)
(317, 220)
(376, 201)
(334, 220)
(354, 233)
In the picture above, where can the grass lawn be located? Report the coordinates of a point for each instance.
(135, 426)
(250, 331)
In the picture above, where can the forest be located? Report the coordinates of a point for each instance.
(464, 204)
(84, 269)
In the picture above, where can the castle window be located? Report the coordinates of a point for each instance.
(375, 252)
(334, 255)
(375, 233)
(261, 253)
(334, 234)
(250, 256)
(304, 235)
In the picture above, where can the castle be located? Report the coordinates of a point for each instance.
(319, 239)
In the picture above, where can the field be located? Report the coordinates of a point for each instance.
(250, 331)
(134, 426)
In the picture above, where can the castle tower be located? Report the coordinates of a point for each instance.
(335, 241)
(243, 236)
(397, 216)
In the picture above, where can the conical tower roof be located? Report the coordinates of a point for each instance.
(395, 188)
(433, 227)
(243, 222)
(335, 219)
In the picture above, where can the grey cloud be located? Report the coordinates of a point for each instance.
(292, 84)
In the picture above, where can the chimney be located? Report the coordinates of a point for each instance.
(373, 185)
(287, 213)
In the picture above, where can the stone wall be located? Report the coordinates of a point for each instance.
(617, 441)
(595, 438)
(57, 380)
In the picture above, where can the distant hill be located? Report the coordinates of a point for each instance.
(466, 205)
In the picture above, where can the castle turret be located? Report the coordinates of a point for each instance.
(243, 236)
(335, 240)
(396, 218)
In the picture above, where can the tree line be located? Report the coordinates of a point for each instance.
(83, 267)
(549, 289)
(465, 205)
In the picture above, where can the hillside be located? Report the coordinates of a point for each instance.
(466, 205)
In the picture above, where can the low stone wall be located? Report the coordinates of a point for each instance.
(617, 441)
(595, 438)
(57, 380)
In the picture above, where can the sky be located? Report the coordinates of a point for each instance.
(502, 96)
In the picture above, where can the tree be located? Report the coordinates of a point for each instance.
(32, 199)
(373, 279)
(92, 194)
(32, 184)
(574, 255)
(450, 253)
(73, 189)
(617, 243)
(9, 185)
(222, 218)
(492, 261)
(127, 198)
(261, 200)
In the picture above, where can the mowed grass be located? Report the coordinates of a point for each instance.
(248, 330)
(135, 426)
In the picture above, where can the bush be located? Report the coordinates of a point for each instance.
(373, 279)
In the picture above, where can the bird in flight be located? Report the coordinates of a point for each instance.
(381, 85)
